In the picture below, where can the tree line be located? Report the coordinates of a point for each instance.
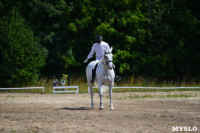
(151, 38)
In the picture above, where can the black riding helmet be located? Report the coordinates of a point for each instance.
(98, 38)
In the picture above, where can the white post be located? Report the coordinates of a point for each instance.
(63, 87)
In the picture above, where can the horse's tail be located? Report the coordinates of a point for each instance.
(104, 88)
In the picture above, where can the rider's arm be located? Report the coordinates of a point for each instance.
(91, 52)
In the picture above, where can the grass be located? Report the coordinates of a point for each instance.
(125, 82)
(17, 96)
(155, 96)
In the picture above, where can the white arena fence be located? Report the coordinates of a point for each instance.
(66, 91)
(23, 88)
(77, 88)
(151, 88)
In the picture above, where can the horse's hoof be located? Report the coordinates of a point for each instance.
(101, 108)
(112, 108)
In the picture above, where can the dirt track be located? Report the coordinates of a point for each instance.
(71, 112)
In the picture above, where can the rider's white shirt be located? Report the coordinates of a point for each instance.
(98, 49)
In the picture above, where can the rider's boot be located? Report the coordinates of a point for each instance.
(94, 73)
(93, 76)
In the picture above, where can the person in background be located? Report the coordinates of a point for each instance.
(55, 81)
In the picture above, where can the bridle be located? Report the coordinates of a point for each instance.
(106, 63)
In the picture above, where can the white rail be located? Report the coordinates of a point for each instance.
(160, 87)
(23, 88)
(65, 91)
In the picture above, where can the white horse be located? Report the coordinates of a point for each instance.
(104, 76)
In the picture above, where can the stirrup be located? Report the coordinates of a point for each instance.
(118, 78)
(92, 81)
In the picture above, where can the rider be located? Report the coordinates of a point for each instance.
(97, 48)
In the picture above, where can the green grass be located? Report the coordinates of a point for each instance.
(155, 96)
(125, 82)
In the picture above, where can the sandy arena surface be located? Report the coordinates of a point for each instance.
(137, 112)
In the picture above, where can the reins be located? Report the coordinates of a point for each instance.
(107, 61)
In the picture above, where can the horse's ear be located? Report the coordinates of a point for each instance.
(111, 49)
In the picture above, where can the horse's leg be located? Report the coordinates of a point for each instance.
(110, 95)
(100, 95)
(91, 93)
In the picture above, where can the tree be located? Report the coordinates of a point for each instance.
(21, 55)
(152, 38)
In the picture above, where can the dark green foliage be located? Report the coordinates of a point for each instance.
(173, 40)
(21, 55)
(162, 43)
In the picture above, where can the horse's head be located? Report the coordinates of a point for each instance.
(108, 57)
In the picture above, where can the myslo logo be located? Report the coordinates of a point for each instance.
(184, 129)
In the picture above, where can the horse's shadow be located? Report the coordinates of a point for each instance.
(80, 108)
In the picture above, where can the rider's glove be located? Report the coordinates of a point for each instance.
(86, 60)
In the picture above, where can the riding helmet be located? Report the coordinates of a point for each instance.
(98, 38)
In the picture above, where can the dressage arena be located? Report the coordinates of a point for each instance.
(140, 112)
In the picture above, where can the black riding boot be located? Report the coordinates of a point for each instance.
(94, 73)
(93, 76)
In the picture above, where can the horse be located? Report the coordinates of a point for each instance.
(105, 75)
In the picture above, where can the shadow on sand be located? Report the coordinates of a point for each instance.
(81, 108)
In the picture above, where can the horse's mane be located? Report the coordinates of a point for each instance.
(106, 52)
(100, 61)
